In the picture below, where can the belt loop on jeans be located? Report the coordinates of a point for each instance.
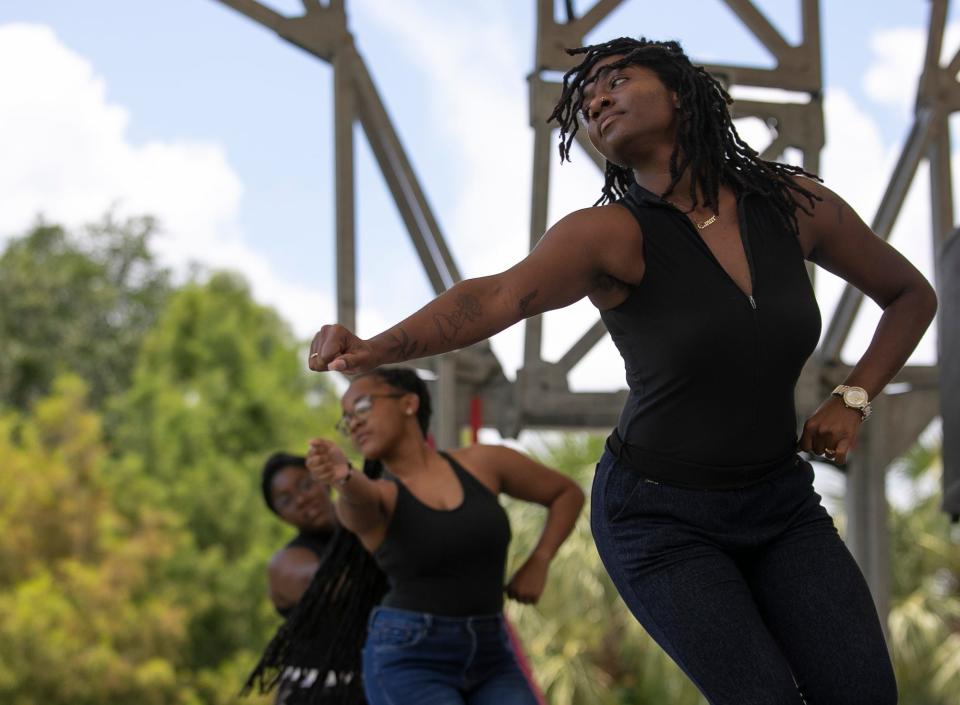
(615, 443)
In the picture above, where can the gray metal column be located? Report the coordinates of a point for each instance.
(865, 499)
(343, 119)
(447, 427)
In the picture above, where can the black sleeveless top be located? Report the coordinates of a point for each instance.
(711, 370)
(446, 562)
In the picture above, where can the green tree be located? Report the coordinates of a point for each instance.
(220, 383)
(78, 304)
(80, 620)
(924, 621)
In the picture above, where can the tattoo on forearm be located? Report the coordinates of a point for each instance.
(525, 301)
(468, 309)
(402, 346)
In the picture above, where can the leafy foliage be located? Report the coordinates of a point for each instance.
(924, 621)
(76, 304)
(132, 563)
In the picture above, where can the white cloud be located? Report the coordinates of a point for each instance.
(65, 153)
(898, 60)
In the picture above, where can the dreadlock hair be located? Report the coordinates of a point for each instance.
(707, 143)
(327, 628)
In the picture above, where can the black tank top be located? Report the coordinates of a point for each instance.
(711, 371)
(446, 562)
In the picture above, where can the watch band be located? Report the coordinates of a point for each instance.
(346, 478)
(854, 398)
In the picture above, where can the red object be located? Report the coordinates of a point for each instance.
(476, 418)
(523, 663)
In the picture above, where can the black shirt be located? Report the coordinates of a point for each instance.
(446, 562)
(711, 370)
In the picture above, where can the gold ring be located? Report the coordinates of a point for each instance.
(829, 451)
(313, 355)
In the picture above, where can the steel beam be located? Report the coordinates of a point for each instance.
(542, 132)
(403, 184)
(322, 32)
(913, 151)
(343, 120)
(938, 95)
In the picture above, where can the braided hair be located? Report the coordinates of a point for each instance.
(327, 628)
(707, 143)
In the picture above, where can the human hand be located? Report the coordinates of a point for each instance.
(335, 348)
(326, 462)
(832, 431)
(526, 585)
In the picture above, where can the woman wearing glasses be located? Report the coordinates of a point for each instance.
(435, 527)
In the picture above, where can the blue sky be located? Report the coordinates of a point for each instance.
(190, 111)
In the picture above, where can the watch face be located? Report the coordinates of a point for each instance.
(855, 397)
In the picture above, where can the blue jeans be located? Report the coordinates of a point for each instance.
(413, 658)
(751, 591)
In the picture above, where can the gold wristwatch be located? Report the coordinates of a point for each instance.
(854, 398)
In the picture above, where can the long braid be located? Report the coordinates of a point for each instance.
(707, 145)
(327, 628)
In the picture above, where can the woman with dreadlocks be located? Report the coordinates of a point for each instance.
(435, 527)
(325, 584)
(704, 515)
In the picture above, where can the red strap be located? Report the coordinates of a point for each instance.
(522, 661)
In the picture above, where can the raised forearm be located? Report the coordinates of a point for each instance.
(358, 505)
(562, 515)
(470, 311)
(903, 323)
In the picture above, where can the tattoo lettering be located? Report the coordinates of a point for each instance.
(468, 309)
(402, 346)
(525, 301)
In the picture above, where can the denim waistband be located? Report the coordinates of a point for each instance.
(425, 619)
(669, 471)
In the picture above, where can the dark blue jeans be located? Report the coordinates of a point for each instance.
(751, 591)
(412, 658)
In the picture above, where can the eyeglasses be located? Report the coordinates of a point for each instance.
(285, 501)
(361, 408)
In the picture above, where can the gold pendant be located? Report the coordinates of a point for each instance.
(708, 222)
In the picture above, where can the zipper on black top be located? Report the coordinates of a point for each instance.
(744, 242)
(747, 251)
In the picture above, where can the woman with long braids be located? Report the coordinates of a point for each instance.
(704, 515)
(434, 526)
(325, 584)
